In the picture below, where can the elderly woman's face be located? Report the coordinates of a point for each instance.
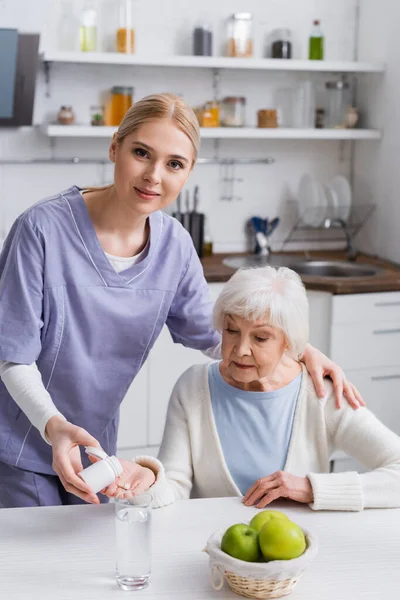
(251, 350)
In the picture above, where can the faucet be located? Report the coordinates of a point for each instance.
(351, 252)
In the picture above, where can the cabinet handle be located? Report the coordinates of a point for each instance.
(385, 331)
(380, 304)
(384, 377)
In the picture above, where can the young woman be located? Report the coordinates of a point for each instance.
(88, 278)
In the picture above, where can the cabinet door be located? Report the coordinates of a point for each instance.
(320, 309)
(380, 389)
(167, 361)
(366, 345)
(133, 430)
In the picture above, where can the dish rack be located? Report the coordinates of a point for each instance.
(334, 229)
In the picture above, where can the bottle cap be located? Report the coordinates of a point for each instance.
(96, 452)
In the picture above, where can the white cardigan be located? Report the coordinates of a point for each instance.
(191, 462)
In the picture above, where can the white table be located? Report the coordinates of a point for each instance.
(67, 553)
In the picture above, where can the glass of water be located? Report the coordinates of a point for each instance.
(133, 530)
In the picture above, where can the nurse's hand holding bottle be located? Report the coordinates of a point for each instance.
(65, 439)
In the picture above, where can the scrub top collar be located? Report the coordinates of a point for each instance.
(87, 233)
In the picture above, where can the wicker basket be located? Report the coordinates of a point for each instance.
(272, 579)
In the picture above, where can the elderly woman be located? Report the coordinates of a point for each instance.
(252, 424)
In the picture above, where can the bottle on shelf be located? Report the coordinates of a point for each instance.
(125, 36)
(68, 37)
(316, 42)
(88, 28)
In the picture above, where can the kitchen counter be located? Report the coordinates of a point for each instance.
(388, 281)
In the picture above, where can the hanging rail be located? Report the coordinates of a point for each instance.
(82, 161)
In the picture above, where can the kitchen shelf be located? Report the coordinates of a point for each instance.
(250, 133)
(212, 62)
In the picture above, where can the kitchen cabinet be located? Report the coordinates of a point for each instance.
(365, 342)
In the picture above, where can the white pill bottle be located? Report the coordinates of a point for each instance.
(103, 472)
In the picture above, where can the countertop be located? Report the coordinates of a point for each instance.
(68, 552)
(388, 281)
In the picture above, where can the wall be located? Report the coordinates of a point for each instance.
(376, 169)
(164, 27)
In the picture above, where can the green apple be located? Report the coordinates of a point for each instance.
(281, 539)
(241, 541)
(265, 515)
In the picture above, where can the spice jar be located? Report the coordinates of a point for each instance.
(240, 35)
(65, 115)
(282, 44)
(120, 102)
(102, 473)
(267, 118)
(125, 35)
(233, 111)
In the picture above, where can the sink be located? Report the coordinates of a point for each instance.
(255, 260)
(333, 268)
(312, 268)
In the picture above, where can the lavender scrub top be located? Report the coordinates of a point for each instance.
(89, 328)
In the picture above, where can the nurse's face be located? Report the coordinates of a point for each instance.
(152, 165)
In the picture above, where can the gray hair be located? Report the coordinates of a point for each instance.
(277, 294)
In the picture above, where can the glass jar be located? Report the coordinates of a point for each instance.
(210, 114)
(125, 35)
(240, 35)
(96, 115)
(337, 101)
(281, 43)
(202, 40)
(120, 101)
(233, 111)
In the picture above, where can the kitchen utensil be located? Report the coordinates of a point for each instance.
(186, 216)
(195, 198)
(197, 224)
(271, 226)
(178, 213)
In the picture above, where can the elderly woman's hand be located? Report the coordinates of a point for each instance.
(279, 485)
(320, 366)
(133, 480)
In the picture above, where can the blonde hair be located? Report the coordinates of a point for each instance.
(162, 106)
(278, 294)
(159, 106)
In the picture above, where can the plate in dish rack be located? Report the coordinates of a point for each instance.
(312, 202)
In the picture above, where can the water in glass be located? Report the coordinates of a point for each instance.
(133, 530)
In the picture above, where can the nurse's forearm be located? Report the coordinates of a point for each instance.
(24, 384)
